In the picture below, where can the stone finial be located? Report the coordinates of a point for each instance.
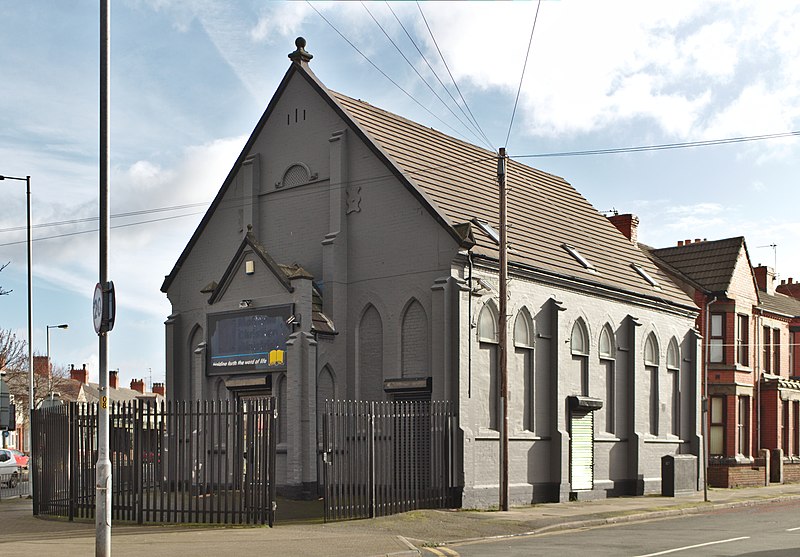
(300, 55)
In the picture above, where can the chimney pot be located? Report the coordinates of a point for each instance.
(697, 240)
(687, 242)
(680, 243)
(137, 385)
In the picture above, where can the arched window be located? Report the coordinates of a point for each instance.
(651, 365)
(651, 350)
(414, 358)
(607, 349)
(487, 324)
(674, 378)
(370, 355)
(523, 342)
(487, 336)
(326, 390)
(579, 345)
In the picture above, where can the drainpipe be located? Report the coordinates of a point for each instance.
(469, 327)
(706, 399)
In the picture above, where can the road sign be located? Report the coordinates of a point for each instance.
(104, 307)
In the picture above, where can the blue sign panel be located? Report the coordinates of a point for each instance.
(248, 340)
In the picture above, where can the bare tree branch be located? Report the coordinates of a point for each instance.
(4, 292)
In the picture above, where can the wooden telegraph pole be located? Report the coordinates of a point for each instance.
(502, 339)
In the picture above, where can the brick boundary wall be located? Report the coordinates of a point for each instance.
(791, 472)
(739, 475)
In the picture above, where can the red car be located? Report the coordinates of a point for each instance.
(22, 458)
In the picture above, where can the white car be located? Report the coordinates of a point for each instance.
(9, 469)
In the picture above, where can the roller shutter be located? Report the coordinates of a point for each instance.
(582, 451)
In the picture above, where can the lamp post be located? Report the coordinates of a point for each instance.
(31, 399)
(49, 365)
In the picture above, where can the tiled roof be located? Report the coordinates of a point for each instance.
(544, 211)
(779, 303)
(710, 264)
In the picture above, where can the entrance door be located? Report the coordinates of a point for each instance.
(582, 450)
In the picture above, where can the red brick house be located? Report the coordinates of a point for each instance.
(750, 365)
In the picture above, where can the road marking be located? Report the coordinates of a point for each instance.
(792, 529)
(442, 551)
(694, 546)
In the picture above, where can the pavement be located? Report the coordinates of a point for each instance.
(424, 532)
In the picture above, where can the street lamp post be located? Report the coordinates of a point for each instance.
(49, 365)
(31, 399)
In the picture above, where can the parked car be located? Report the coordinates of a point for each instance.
(22, 459)
(9, 469)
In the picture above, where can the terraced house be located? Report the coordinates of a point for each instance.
(751, 361)
(353, 254)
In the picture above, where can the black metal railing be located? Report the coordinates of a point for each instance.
(382, 458)
(171, 462)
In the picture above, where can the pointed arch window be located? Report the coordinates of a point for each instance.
(523, 342)
(651, 365)
(674, 378)
(487, 324)
(579, 346)
(607, 349)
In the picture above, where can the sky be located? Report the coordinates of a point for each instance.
(190, 79)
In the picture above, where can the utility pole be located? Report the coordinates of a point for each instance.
(502, 339)
(102, 308)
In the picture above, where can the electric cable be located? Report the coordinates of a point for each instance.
(663, 146)
(384, 74)
(470, 130)
(522, 76)
(451, 74)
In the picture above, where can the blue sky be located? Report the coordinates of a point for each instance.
(189, 81)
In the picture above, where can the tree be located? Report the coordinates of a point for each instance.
(4, 292)
(14, 365)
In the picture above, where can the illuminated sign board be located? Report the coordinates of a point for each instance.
(248, 340)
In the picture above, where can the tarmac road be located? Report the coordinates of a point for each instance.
(768, 530)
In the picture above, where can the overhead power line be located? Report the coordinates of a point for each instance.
(383, 73)
(522, 76)
(430, 32)
(435, 74)
(663, 146)
(114, 216)
(399, 50)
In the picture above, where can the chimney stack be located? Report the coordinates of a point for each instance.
(158, 388)
(765, 278)
(628, 224)
(41, 366)
(791, 288)
(113, 378)
(81, 375)
(137, 385)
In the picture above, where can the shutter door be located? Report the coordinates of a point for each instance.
(582, 451)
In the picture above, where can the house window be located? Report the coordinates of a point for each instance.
(523, 344)
(579, 346)
(743, 425)
(716, 339)
(651, 365)
(785, 427)
(767, 360)
(716, 445)
(607, 348)
(776, 351)
(674, 373)
(796, 430)
(742, 340)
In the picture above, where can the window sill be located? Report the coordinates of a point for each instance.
(667, 440)
(608, 438)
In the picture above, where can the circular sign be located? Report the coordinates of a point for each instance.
(97, 308)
